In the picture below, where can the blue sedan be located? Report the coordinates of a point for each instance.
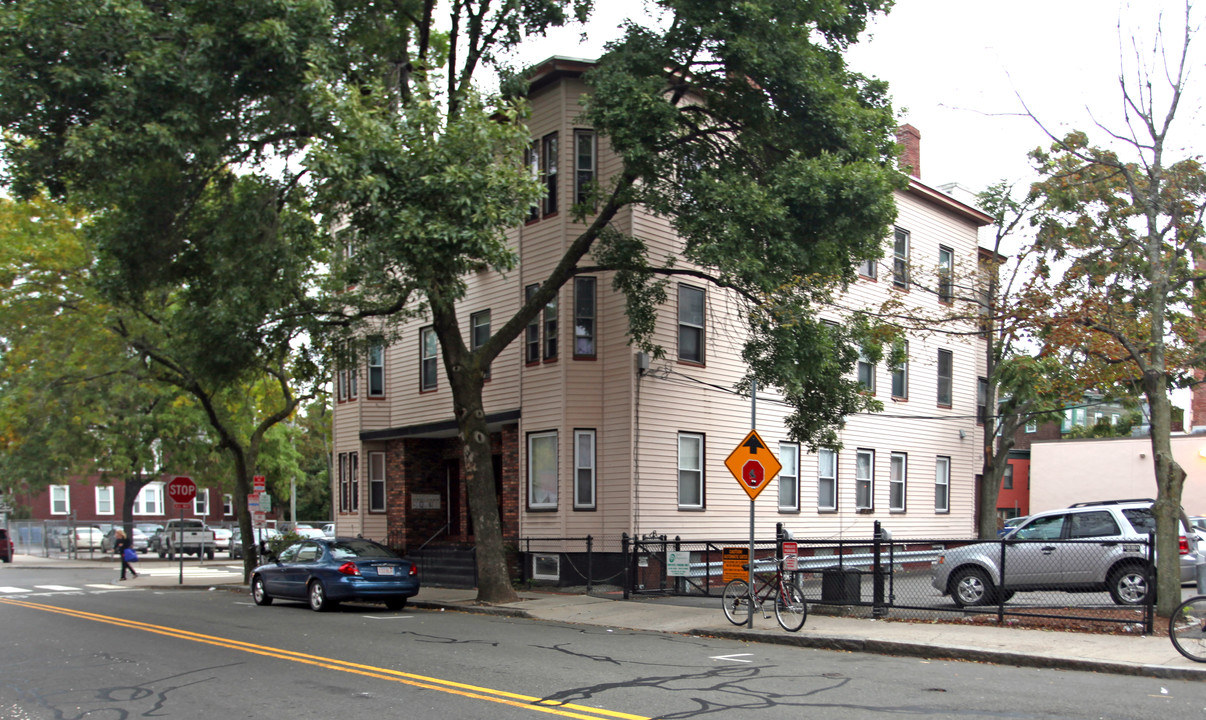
(327, 571)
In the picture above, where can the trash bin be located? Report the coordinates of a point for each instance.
(840, 585)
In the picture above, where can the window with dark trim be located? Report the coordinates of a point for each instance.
(354, 481)
(550, 329)
(376, 370)
(866, 373)
(900, 259)
(532, 161)
(900, 377)
(981, 400)
(585, 162)
(429, 352)
(531, 337)
(548, 172)
(542, 471)
(584, 317)
(343, 482)
(946, 363)
(690, 324)
(584, 469)
(376, 482)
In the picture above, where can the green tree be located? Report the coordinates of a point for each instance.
(1126, 228)
(739, 123)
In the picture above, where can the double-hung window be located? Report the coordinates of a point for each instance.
(532, 160)
(344, 501)
(227, 505)
(690, 324)
(946, 364)
(789, 477)
(149, 500)
(864, 480)
(60, 500)
(1007, 478)
(548, 172)
(690, 471)
(584, 317)
(946, 275)
(531, 336)
(479, 324)
(376, 370)
(201, 502)
(981, 400)
(897, 482)
(942, 485)
(900, 259)
(900, 378)
(826, 480)
(866, 373)
(542, 471)
(354, 482)
(104, 500)
(429, 351)
(868, 269)
(584, 469)
(550, 329)
(376, 482)
(584, 165)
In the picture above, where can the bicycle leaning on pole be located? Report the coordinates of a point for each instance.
(790, 609)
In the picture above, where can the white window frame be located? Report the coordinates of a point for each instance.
(868, 269)
(150, 500)
(63, 493)
(543, 479)
(585, 476)
(865, 373)
(376, 370)
(1032, 426)
(900, 258)
(942, 484)
(827, 470)
(376, 480)
(898, 478)
(789, 477)
(864, 479)
(691, 473)
(546, 566)
(104, 499)
(201, 502)
(427, 337)
(946, 275)
(227, 505)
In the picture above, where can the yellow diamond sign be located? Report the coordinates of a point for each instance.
(753, 464)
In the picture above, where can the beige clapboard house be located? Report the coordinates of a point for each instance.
(593, 439)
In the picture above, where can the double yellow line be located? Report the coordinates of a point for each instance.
(527, 702)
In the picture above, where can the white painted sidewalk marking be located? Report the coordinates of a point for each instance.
(732, 658)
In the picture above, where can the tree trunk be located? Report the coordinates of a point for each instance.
(1170, 479)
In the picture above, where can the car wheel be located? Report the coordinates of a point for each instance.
(319, 602)
(395, 603)
(209, 554)
(1129, 585)
(971, 586)
(258, 592)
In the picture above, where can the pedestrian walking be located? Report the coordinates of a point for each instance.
(125, 550)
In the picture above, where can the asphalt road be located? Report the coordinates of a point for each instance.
(78, 645)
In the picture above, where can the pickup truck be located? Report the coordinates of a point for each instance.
(187, 537)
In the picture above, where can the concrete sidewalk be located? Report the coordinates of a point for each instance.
(1152, 655)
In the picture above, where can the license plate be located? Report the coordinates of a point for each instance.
(385, 570)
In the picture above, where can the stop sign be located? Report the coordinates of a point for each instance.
(752, 473)
(181, 490)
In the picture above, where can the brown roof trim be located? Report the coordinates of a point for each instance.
(556, 68)
(937, 197)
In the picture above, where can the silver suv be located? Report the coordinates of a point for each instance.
(1087, 547)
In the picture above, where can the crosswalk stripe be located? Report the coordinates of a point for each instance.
(103, 586)
(57, 588)
(11, 589)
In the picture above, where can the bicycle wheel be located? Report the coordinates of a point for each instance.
(736, 599)
(790, 609)
(1187, 628)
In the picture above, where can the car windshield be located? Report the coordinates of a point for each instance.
(347, 549)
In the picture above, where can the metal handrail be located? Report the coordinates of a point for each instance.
(433, 537)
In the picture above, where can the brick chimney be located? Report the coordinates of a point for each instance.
(909, 138)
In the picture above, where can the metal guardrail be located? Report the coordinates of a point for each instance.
(816, 563)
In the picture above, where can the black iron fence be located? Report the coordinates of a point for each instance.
(1054, 582)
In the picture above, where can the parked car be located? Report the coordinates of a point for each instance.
(327, 571)
(6, 546)
(138, 540)
(329, 530)
(222, 538)
(1010, 524)
(261, 535)
(1041, 554)
(81, 537)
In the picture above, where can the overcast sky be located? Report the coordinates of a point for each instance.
(958, 67)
